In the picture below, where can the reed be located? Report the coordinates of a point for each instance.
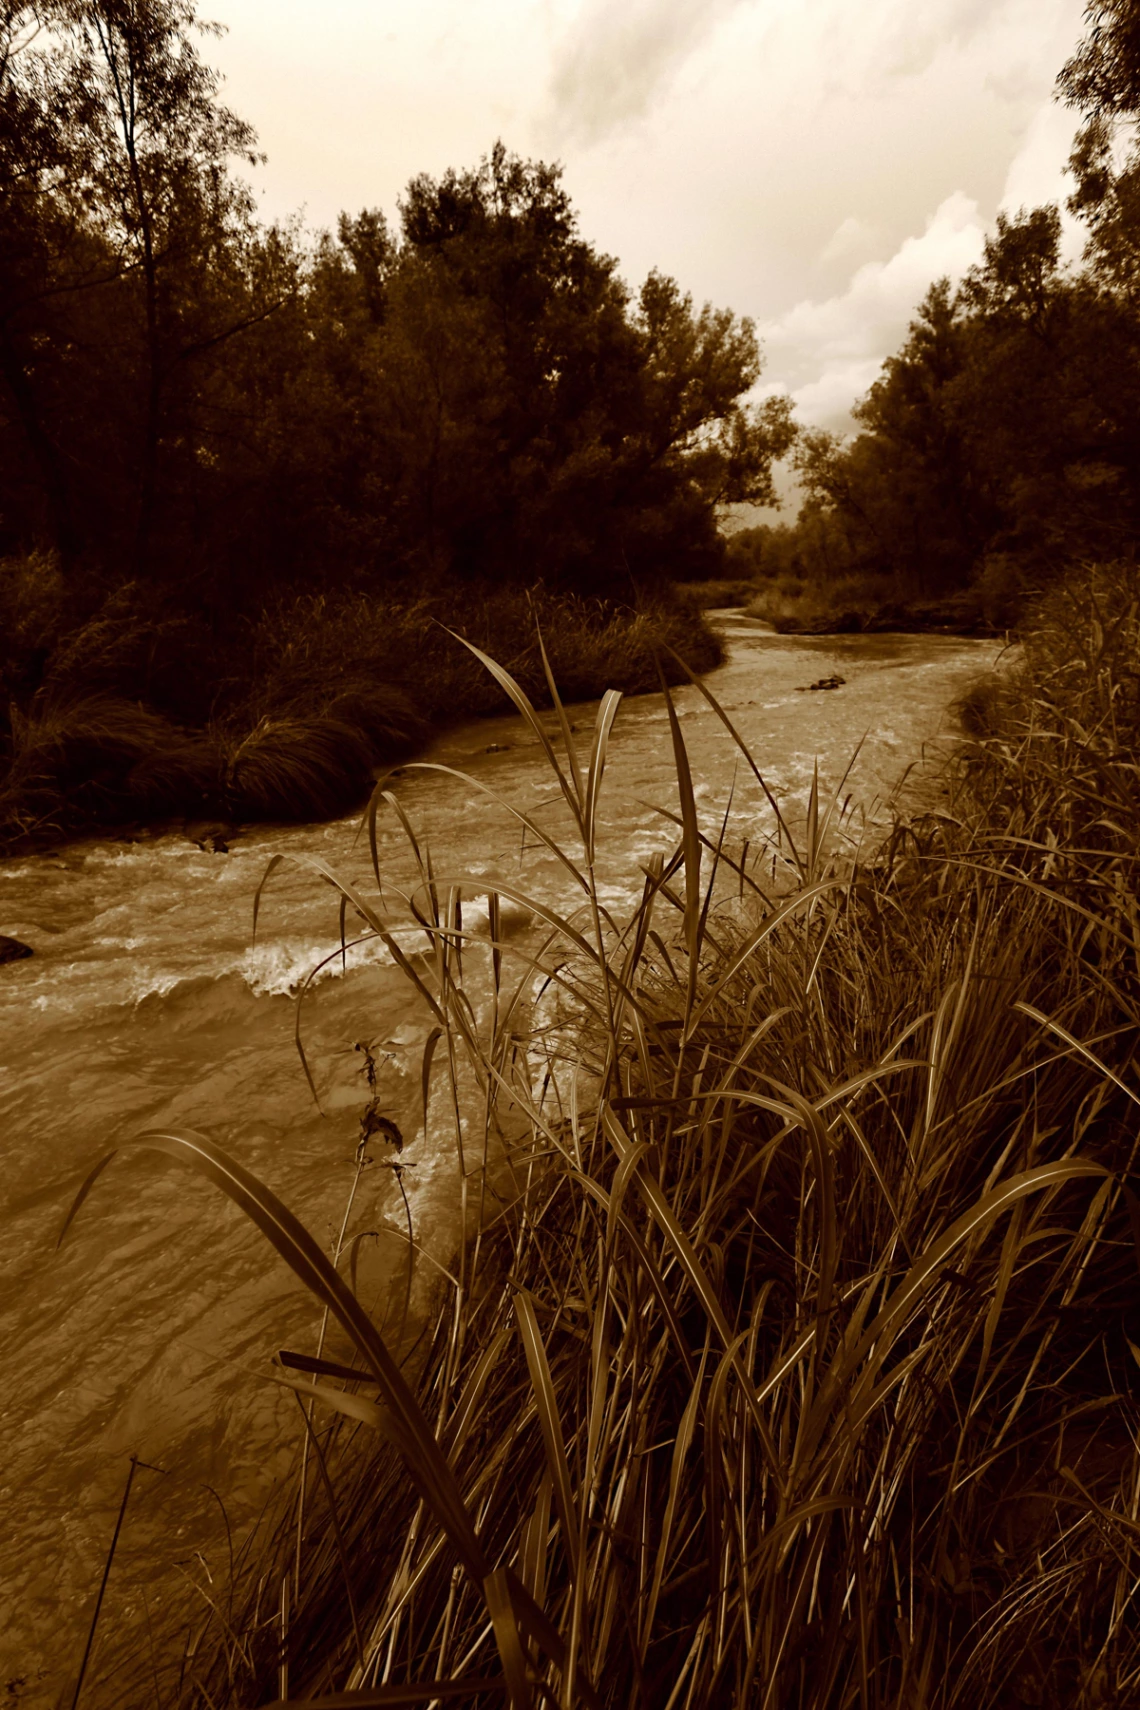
(788, 1357)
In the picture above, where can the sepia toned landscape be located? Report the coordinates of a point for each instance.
(568, 893)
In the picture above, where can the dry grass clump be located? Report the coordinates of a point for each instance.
(78, 758)
(789, 1358)
(138, 716)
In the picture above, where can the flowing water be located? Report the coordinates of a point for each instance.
(147, 1004)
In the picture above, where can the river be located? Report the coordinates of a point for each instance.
(145, 1003)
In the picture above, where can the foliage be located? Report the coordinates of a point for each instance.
(787, 1358)
(188, 395)
(144, 715)
(998, 445)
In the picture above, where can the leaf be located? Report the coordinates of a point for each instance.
(323, 1368)
(497, 1595)
(690, 843)
(532, 1548)
(421, 1452)
(549, 1421)
(563, 721)
(1083, 1050)
(607, 712)
(430, 1044)
(413, 1692)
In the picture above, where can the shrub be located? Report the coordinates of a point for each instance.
(292, 715)
(93, 758)
(856, 603)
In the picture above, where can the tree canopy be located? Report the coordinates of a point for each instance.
(190, 399)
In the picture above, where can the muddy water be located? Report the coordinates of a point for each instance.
(146, 1004)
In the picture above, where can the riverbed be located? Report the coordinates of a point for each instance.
(148, 1003)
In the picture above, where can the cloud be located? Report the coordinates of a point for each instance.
(617, 56)
(1036, 173)
(912, 39)
(828, 353)
(850, 238)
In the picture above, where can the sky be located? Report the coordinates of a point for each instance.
(814, 164)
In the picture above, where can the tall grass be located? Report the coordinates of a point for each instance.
(291, 716)
(789, 1354)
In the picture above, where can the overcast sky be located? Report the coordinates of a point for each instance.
(812, 163)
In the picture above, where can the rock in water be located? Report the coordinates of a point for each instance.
(211, 835)
(11, 950)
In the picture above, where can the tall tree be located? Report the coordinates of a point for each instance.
(122, 262)
(46, 253)
(160, 190)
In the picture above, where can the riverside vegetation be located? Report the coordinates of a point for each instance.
(229, 450)
(789, 1354)
(308, 700)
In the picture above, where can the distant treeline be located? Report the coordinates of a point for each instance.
(1002, 442)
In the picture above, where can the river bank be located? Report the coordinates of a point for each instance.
(137, 720)
(146, 1005)
(796, 1361)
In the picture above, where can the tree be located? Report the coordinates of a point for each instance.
(159, 188)
(1102, 82)
(1102, 79)
(480, 396)
(123, 268)
(46, 251)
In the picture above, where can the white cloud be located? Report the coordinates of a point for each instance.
(853, 237)
(615, 58)
(830, 351)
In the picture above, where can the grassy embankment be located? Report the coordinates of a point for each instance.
(129, 718)
(850, 605)
(796, 1364)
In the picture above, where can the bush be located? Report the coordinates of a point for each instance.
(292, 714)
(95, 759)
(863, 603)
(716, 594)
